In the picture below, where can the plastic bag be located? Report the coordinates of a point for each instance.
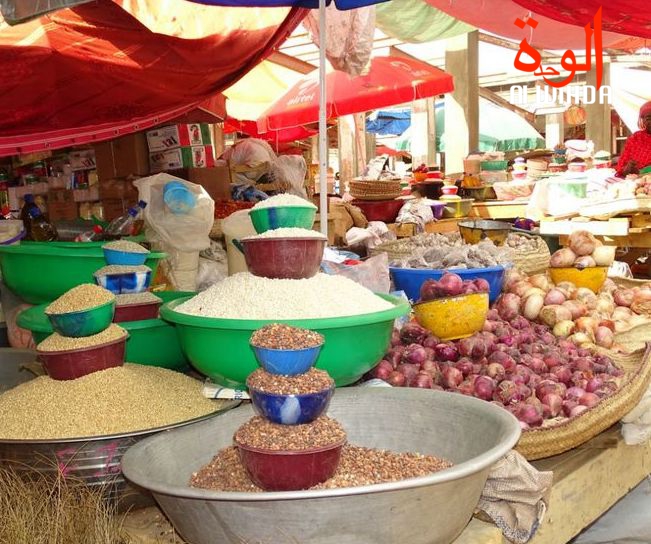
(183, 232)
(292, 169)
(372, 273)
(349, 37)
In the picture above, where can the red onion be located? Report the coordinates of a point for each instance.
(520, 323)
(547, 338)
(474, 347)
(624, 297)
(507, 339)
(382, 370)
(395, 338)
(482, 285)
(508, 306)
(504, 359)
(467, 387)
(548, 387)
(451, 283)
(507, 392)
(409, 370)
(525, 337)
(446, 352)
(582, 363)
(534, 380)
(529, 414)
(484, 387)
(593, 385)
(413, 333)
(562, 373)
(554, 296)
(568, 406)
(431, 341)
(465, 366)
(579, 409)
(423, 380)
(430, 354)
(493, 315)
(489, 326)
(397, 379)
(430, 366)
(552, 360)
(452, 377)
(554, 402)
(394, 355)
(495, 370)
(415, 354)
(574, 393)
(524, 426)
(538, 366)
(589, 399)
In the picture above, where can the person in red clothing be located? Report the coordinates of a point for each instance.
(637, 151)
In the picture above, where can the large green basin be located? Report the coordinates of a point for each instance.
(220, 348)
(151, 342)
(40, 272)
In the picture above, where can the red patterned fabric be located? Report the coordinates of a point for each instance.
(108, 68)
(631, 17)
(638, 149)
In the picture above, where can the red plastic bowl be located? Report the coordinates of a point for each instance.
(136, 312)
(380, 210)
(283, 258)
(75, 363)
(290, 470)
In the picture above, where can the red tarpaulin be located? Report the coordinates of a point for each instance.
(276, 137)
(631, 17)
(109, 68)
(497, 16)
(389, 81)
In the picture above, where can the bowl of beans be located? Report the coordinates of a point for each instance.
(290, 457)
(291, 400)
(287, 350)
(124, 252)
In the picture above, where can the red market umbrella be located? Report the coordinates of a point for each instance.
(389, 81)
(108, 68)
(283, 136)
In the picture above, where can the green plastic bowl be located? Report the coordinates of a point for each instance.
(152, 342)
(84, 322)
(220, 348)
(265, 219)
(40, 272)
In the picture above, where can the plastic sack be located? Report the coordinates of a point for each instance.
(349, 37)
(183, 232)
(251, 152)
(11, 307)
(292, 169)
(372, 273)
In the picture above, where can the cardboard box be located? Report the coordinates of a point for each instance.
(216, 180)
(61, 205)
(117, 189)
(115, 207)
(182, 157)
(82, 160)
(173, 136)
(122, 157)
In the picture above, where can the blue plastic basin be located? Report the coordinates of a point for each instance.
(410, 280)
(291, 409)
(129, 258)
(286, 361)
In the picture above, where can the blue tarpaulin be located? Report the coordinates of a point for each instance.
(309, 4)
(389, 122)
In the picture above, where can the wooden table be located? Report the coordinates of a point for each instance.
(499, 209)
(587, 482)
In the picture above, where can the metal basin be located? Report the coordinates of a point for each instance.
(433, 509)
(476, 230)
(95, 460)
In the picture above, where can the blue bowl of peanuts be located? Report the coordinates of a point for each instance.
(282, 349)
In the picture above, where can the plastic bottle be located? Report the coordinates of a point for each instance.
(90, 235)
(123, 225)
(25, 216)
(40, 229)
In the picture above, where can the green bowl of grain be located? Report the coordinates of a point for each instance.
(85, 310)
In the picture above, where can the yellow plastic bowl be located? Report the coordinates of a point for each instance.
(592, 278)
(453, 317)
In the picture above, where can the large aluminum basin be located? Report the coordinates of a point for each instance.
(433, 509)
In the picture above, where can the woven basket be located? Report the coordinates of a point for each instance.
(396, 249)
(532, 262)
(570, 433)
(375, 189)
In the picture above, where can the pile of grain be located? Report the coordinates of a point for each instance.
(126, 246)
(245, 296)
(56, 342)
(115, 269)
(136, 298)
(283, 200)
(112, 401)
(80, 298)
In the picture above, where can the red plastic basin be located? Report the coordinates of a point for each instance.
(136, 312)
(380, 210)
(290, 470)
(283, 258)
(75, 363)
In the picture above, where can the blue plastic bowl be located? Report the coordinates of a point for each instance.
(291, 409)
(288, 362)
(114, 256)
(178, 198)
(127, 283)
(83, 322)
(410, 280)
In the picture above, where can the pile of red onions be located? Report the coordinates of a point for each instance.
(518, 365)
(451, 285)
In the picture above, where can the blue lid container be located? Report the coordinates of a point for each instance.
(178, 197)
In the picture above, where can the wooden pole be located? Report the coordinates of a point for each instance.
(598, 125)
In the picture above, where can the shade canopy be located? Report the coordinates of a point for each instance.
(108, 68)
(389, 81)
